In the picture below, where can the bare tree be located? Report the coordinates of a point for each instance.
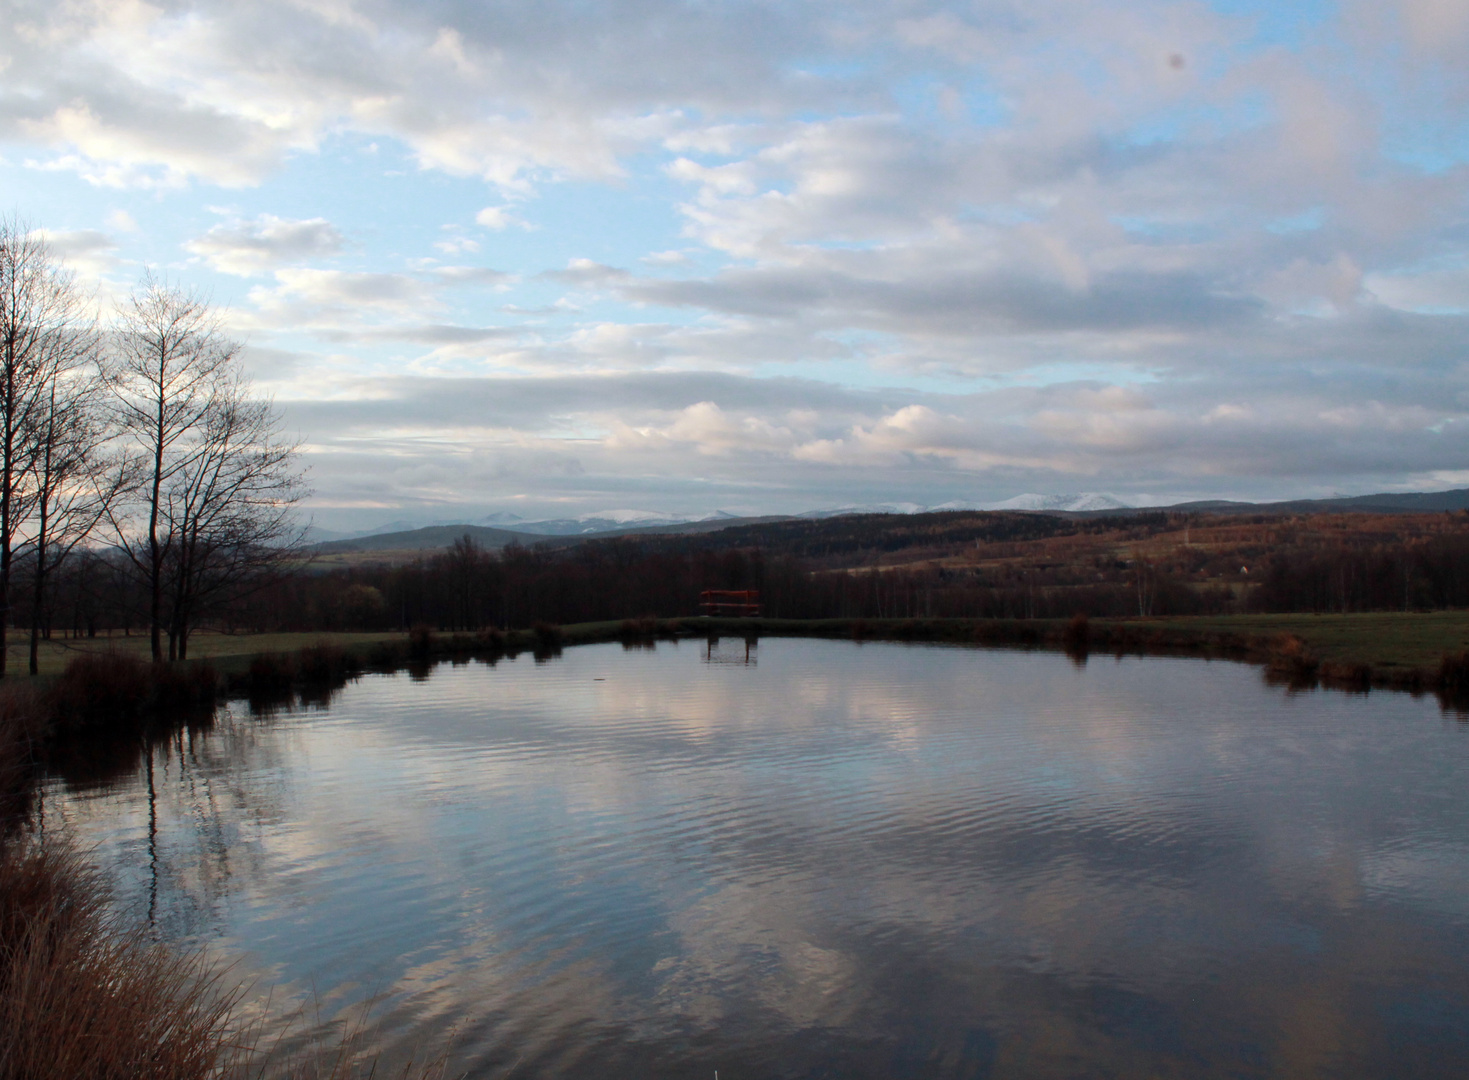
(168, 355)
(215, 482)
(230, 509)
(46, 331)
(74, 484)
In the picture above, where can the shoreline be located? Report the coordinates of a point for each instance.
(1354, 653)
(1415, 652)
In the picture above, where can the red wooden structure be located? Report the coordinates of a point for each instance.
(730, 601)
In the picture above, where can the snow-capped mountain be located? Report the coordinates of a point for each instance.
(609, 520)
(602, 521)
(1086, 500)
(867, 508)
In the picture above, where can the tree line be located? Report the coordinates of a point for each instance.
(467, 587)
(134, 456)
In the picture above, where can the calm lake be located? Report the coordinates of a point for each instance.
(827, 859)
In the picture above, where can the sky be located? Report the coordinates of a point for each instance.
(558, 258)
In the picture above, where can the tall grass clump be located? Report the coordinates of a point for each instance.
(83, 996)
(547, 640)
(185, 690)
(1453, 674)
(108, 692)
(1290, 661)
(420, 642)
(22, 731)
(326, 664)
(1076, 639)
(271, 675)
(1453, 681)
(633, 631)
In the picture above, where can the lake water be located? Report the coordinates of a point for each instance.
(827, 859)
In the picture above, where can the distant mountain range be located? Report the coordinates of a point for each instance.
(599, 522)
(500, 529)
(608, 521)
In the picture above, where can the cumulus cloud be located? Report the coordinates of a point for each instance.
(498, 218)
(778, 441)
(88, 251)
(122, 221)
(473, 275)
(309, 297)
(252, 248)
(587, 273)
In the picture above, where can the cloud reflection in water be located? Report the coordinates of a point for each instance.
(872, 860)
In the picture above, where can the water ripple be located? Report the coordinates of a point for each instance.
(850, 860)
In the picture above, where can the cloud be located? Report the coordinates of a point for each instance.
(1445, 290)
(436, 335)
(455, 245)
(790, 444)
(252, 248)
(132, 94)
(312, 297)
(473, 275)
(586, 273)
(88, 251)
(122, 221)
(498, 218)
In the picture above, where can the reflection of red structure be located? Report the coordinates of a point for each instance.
(730, 601)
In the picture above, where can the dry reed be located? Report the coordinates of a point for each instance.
(82, 996)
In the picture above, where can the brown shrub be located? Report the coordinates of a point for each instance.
(325, 664)
(1453, 672)
(635, 630)
(1290, 661)
(271, 674)
(105, 690)
(420, 641)
(1077, 637)
(384, 656)
(191, 688)
(1347, 676)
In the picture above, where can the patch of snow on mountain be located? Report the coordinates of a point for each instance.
(501, 519)
(1086, 500)
(957, 504)
(868, 508)
(632, 517)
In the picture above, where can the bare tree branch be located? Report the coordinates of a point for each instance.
(46, 333)
(216, 482)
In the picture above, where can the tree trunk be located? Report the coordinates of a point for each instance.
(155, 566)
(38, 595)
(7, 483)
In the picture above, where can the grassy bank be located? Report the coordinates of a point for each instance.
(1384, 640)
(55, 654)
(1413, 651)
(1402, 649)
